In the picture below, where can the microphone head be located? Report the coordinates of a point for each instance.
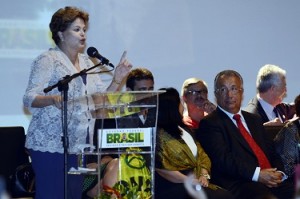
(92, 52)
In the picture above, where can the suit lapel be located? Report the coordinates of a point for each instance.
(233, 130)
(252, 126)
(261, 111)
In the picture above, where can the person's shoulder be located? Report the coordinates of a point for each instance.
(292, 124)
(51, 52)
(45, 56)
(213, 118)
(289, 129)
(162, 134)
(252, 105)
(212, 115)
(285, 105)
(287, 109)
(250, 114)
(253, 117)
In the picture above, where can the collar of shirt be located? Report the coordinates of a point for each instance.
(230, 115)
(268, 108)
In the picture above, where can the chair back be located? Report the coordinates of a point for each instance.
(272, 131)
(12, 150)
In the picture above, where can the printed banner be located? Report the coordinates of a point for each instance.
(122, 138)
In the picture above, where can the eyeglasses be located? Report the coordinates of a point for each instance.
(223, 90)
(197, 93)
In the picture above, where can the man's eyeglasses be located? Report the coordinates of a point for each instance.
(224, 90)
(197, 93)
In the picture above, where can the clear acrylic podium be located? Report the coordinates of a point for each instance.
(125, 129)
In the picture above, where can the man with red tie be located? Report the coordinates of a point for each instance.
(242, 161)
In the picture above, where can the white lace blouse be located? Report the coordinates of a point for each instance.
(45, 129)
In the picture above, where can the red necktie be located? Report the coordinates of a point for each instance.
(260, 155)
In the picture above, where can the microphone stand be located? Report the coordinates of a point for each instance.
(63, 87)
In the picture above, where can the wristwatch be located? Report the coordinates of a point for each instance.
(206, 175)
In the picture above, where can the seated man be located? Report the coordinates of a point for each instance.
(242, 162)
(194, 94)
(271, 90)
(139, 79)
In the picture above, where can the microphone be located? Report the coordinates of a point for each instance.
(93, 52)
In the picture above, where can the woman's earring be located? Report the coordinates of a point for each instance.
(61, 37)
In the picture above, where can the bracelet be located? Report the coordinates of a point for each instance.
(114, 80)
(206, 175)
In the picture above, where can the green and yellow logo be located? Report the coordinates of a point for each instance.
(125, 137)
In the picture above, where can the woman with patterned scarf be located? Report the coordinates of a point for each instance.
(178, 154)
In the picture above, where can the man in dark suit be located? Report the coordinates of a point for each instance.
(242, 162)
(271, 90)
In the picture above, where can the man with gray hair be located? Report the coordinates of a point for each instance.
(271, 90)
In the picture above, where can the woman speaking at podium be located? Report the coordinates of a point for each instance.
(44, 136)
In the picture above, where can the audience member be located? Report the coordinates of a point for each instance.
(138, 79)
(271, 90)
(233, 139)
(194, 94)
(287, 142)
(44, 137)
(178, 154)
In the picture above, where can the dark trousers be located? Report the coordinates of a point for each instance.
(166, 189)
(49, 176)
(256, 190)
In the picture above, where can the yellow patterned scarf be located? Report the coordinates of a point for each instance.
(175, 155)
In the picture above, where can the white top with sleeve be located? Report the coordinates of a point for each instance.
(45, 129)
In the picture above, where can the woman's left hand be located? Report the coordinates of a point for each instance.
(122, 69)
(203, 181)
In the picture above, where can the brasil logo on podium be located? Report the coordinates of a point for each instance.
(119, 138)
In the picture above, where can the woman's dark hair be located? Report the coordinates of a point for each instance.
(169, 117)
(297, 105)
(63, 18)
